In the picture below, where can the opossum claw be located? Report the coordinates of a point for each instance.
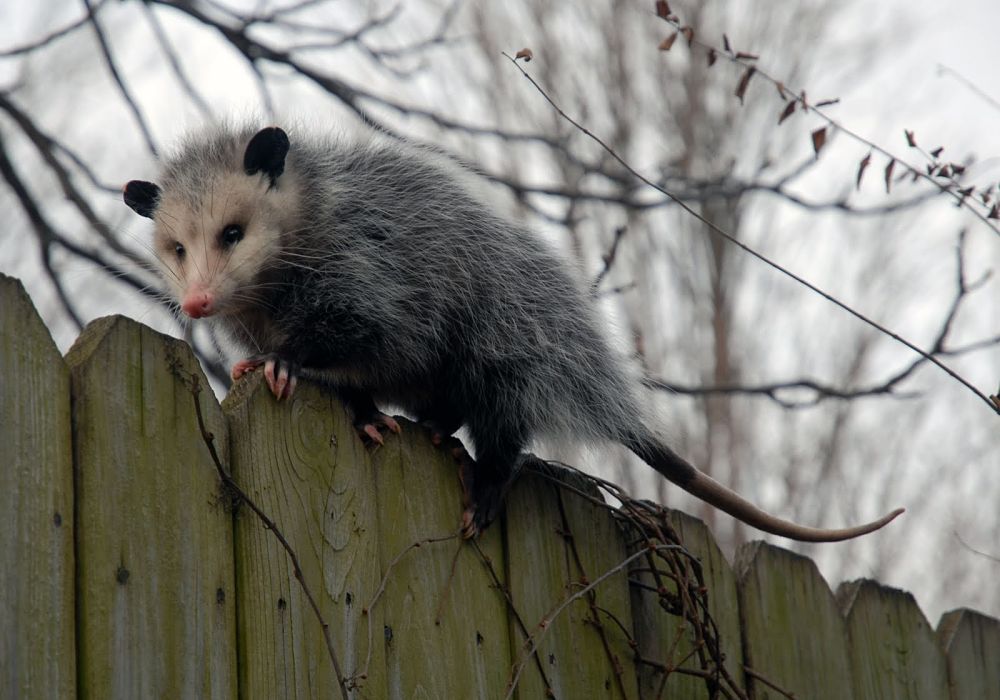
(244, 366)
(368, 426)
(282, 375)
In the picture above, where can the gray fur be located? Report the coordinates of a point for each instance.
(401, 284)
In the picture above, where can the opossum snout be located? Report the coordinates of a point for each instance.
(198, 303)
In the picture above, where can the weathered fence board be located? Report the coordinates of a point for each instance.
(126, 573)
(668, 640)
(155, 584)
(894, 651)
(37, 648)
(557, 543)
(445, 622)
(971, 642)
(301, 462)
(793, 632)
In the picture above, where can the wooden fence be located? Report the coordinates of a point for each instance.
(127, 570)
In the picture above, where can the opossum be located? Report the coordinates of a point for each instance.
(377, 265)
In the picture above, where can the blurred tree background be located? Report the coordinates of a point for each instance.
(767, 386)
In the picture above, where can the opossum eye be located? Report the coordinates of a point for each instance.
(231, 235)
(179, 250)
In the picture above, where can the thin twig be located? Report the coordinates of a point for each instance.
(743, 246)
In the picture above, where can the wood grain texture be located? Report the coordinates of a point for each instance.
(37, 626)
(793, 632)
(156, 610)
(445, 629)
(894, 652)
(971, 642)
(557, 541)
(301, 462)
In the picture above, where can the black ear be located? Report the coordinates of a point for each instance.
(142, 196)
(266, 153)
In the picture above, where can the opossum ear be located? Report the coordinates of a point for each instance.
(142, 196)
(266, 153)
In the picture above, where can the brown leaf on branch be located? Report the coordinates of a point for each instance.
(888, 175)
(525, 54)
(725, 44)
(781, 89)
(909, 138)
(957, 169)
(688, 33)
(662, 9)
(711, 57)
(668, 42)
(944, 172)
(937, 151)
(787, 111)
(827, 103)
(744, 82)
(861, 168)
(994, 212)
(747, 56)
(819, 139)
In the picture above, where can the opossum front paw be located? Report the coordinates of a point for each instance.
(280, 373)
(368, 427)
(244, 366)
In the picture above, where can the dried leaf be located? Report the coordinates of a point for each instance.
(688, 33)
(888, 175)
(819, 139)
(827, 103)
(668, 42)
(957, 169)
(747, 56)
(861, 168)
(781, 89)
(966, 192)
(937, 151)
(787, 111)
(945, 171)
(994, 212)
(909, 138)
(725, 44)
(985, 196)
(662, 9)
(744, 81)
(931, 167)
(525, 54)
(712, 56)
(802, 99)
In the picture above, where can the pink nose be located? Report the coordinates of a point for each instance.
(198, 304)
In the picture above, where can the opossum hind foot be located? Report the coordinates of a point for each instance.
(483, 492)
(369, 427)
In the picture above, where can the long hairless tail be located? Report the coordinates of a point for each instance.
(669, 464)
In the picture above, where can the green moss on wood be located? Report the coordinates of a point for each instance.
(37, 649)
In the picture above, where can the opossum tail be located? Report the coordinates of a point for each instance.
(669, 464)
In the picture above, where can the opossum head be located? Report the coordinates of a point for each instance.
(223, 215)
